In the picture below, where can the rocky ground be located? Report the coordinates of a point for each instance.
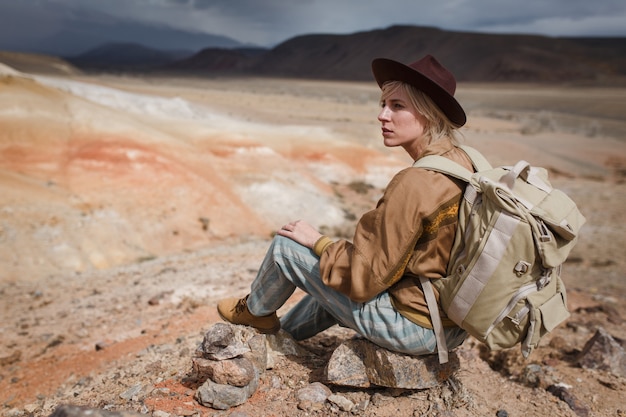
(119, 333)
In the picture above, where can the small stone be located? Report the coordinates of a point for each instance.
(603, 352)
(378, 399)
(563, 394)
(226, 341)
(361, 406)
(305, 405)
(31, 408)
(155, 300)
(14, 412)
(614, 385)
(75, 411)
(223, 397)
(315, 392)
(218, 337)
(184, 412)
(535, 375)
(101, 346)
(11, 359)
(131, 392)
(502, 413)
(342, 402)
(237, 371)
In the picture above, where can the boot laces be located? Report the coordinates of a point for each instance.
(241, 305)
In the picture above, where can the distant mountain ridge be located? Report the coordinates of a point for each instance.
(126, 56)
(471, 56)
(474, 57)
(83, 31)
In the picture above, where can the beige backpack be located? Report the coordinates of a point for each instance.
(514, 233)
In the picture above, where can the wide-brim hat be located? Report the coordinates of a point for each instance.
(427, 75)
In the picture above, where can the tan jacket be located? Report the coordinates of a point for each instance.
(409, 234)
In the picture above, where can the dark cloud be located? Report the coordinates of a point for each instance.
(269, 22)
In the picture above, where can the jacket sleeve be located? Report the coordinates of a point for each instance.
(384, 240)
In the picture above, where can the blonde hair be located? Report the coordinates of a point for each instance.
(438, 124)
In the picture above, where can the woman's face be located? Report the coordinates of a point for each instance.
(402, 125)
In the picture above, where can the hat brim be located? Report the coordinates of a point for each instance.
(389, 70)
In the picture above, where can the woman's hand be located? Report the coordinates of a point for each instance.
(301, 232)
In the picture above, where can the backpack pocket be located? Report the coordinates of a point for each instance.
(544, 316)
(560, 213)
(510, 327)
(529, 316)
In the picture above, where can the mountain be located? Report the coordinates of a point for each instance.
(475, 57)
(37, 63)
(81, 31)
(125, 57)
(217, 60)
(471, 56)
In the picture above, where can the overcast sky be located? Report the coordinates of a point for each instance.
(269, 22)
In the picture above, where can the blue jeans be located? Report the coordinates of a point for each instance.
(289, 265)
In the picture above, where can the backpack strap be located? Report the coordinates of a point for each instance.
(435, 318)
(449, 167)
(478, 160)
(446, 166)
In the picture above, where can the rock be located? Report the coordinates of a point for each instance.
(225, 341)
(101, 345)
(315, 393)
(31, 408)
(309, 406)
(11, 359)
(360, 363)
(74, 411)
(603, 352)
(131, 392)
(342, 402)
(237, 372)
(258, 351)
(14, 412)
(282, 344)
(229, 361)
(615, 383)
(537, 376)
(563, 394)
(223, 397)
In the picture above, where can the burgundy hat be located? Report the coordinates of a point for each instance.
(427, 75)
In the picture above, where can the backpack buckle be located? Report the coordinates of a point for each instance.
(545, 235)
(544, 279)
(521, 268)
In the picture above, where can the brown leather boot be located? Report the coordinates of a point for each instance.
(235, 311)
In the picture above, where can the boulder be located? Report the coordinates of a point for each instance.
(360, 363)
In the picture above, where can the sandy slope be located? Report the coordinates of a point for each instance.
(129, 206)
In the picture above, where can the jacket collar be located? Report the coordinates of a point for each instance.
(438, 147)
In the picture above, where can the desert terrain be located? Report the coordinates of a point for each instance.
(130, 205)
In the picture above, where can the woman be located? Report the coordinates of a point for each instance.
(372, 284)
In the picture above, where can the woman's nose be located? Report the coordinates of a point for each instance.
(383, 114)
